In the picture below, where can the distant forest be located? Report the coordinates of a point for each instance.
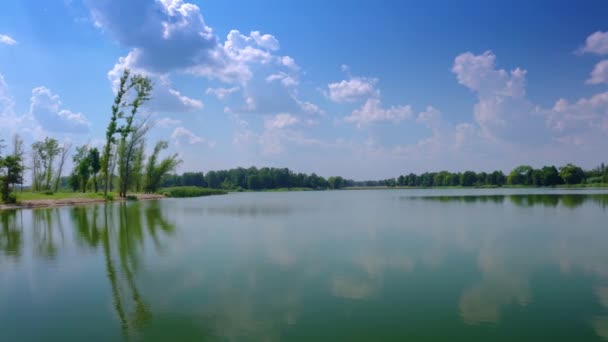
(277, 178)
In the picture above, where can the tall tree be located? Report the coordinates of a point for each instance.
(82, 166)
(64, 152)
(117, 112)
(95, 165)
(127, 155)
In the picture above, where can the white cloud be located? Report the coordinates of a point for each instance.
(8, 40)
(164, 98)
(354, 89)
(266, 41)
(502, 111)
(582, 122)
(372, 112)
(8, 118)
(167, 122)
(599, 73)
(478, 73)
(310, 108)
(285, 79)
(596, 43)
(172, 37)
(282, 120)
(222, 93)
(181, 134)
(45, 107)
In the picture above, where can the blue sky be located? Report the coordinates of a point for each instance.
(364, 89)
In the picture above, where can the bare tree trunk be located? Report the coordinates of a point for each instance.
(64, 152)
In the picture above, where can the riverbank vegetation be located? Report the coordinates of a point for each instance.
(191, 191)
(119, 165)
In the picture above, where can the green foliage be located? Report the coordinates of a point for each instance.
(249, 179)
(571, 174)
(155, 172)
(190, 191)
(132, 198)
(143, 87)
(43, 157)
(11, 173)
(109, 197)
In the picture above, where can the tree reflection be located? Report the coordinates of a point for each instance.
(11, 233)
(523, 200)
(121, 233)
(48, 228)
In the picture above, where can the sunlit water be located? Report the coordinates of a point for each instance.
(420, 265)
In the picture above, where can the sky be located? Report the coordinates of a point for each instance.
(361, 89)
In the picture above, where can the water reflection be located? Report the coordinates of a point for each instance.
(11, 231)
(120, 229)
(522, 200)
(252, 268)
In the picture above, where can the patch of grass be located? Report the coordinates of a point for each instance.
(28, 195)
(190, 191)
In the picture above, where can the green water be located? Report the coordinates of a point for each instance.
(381, 265)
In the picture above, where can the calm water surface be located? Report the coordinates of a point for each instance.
(420, 265)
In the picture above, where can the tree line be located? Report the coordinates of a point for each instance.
(523, 175)
(253, 179)
(120, 165)
(275, 178)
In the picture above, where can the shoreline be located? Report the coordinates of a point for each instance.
(53, 203)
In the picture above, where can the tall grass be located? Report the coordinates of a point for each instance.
(190, 191)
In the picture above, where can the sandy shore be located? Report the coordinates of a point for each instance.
(45, 203)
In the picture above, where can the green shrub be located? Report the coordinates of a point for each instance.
(191, 191)
(131, 198)
(11, 198)
(49, 193)
(109, 197)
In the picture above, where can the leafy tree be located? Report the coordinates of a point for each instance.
(571, 174)
(43, 156)
(468, 178)
(82, 166)
(156, 171)
(143, 87)
(550, 176)
(335, 182)
(95, 165)
(521, 175)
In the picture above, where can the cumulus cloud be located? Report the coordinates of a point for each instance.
(167, 122)
(596, 43)
(285, 79)
(282, 120)
(354, 89)
(372, 112)
(222, 93)
(46, 109)
(171, 36)
(502, 110)
(181, 134)
(8, 40)
(584, 122)
(164, 98)
(599, 73)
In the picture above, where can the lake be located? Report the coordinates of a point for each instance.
(373, 265)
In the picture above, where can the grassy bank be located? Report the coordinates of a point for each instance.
(190, 191)
(31, 196)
